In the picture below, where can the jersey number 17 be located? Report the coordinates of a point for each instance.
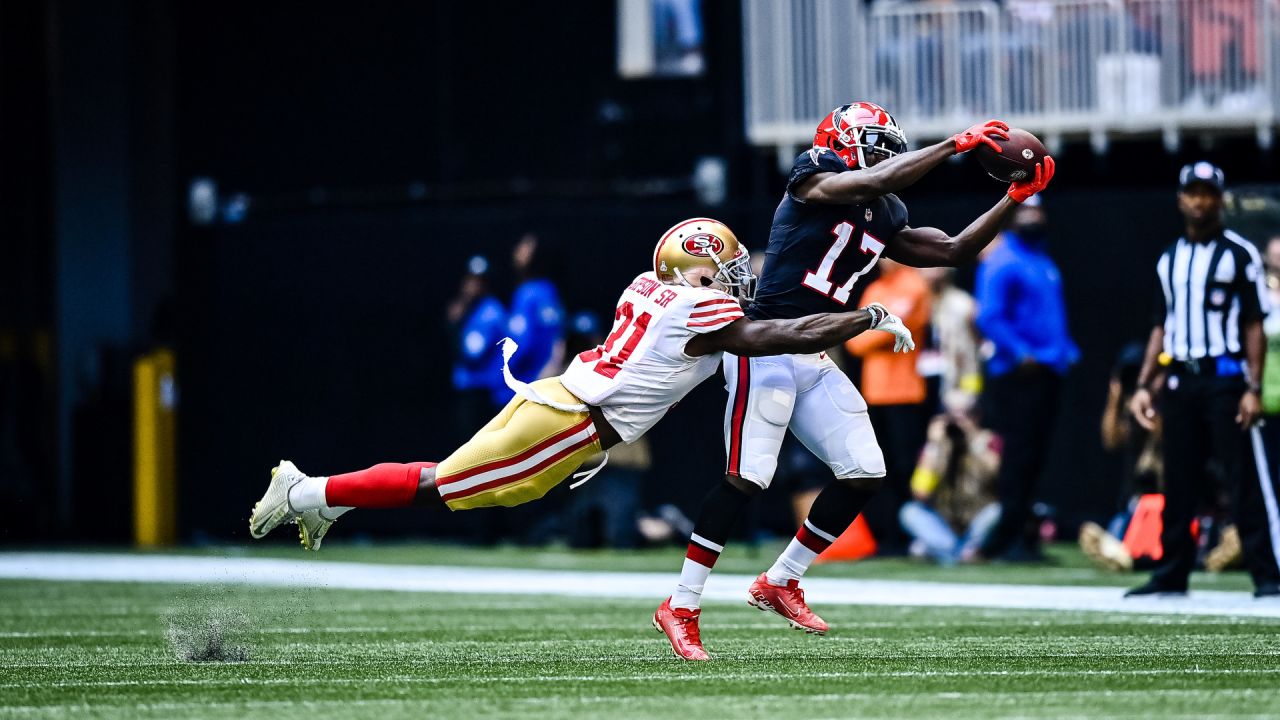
(820, 279)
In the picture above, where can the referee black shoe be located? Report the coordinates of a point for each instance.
(1154, 588)
(1267, 590)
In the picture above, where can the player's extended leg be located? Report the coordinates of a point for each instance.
(760, 399)
(831, 420)
(517, 457)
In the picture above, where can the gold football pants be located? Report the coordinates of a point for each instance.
(520, 454)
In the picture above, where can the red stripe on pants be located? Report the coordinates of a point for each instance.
(522, 475)
(522, 455)
(739, 416)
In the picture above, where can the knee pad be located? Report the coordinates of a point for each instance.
(775, 405)
(865, 451)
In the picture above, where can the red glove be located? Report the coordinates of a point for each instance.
(1020, 191)
(979, 134)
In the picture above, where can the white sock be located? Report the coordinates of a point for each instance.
(308, 494)
(693, 578)
(791, 564)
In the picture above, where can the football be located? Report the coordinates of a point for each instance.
(1018, 160)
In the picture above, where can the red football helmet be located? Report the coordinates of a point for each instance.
(853, 130)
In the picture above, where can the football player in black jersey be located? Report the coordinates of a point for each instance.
(837, 218)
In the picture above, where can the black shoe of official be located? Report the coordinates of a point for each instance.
(1267, 590)
(1154, 588)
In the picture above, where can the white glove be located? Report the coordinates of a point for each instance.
(893, 325)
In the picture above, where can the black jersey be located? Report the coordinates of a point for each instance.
(817, 252)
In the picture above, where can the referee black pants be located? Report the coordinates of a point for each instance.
(1199, 423)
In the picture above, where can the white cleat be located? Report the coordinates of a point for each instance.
(312, 527)
(273, 509)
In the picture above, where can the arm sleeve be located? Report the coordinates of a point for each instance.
(995, 284)
(932, 460)
(811, 162)
(709, 310)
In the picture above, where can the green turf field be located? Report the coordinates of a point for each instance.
(90, 650)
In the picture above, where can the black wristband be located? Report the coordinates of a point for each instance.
(877, 315)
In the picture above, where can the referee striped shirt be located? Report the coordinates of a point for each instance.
(1206, 290)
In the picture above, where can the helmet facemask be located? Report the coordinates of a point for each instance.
(884, 140)
(735, 275)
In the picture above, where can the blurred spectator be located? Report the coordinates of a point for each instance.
(605, 511)
(1139, 448)
(537, 317)
(953, 485)
(677, 26)
(895, 395)
(1022, 311)
(802, 474)
(477, 323)
(1271, 326)
(1140, 463)
(1224, 51)
(948, 359)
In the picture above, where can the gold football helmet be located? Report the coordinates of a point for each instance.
(705, 243)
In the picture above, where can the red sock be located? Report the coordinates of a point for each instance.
(385, 485)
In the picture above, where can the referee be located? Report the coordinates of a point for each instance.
(1207, 339)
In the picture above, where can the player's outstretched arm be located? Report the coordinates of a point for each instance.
(931, 247)
(899, 171)
(810, 334)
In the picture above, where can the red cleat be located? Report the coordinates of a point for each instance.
(787, 601)
(681, 628)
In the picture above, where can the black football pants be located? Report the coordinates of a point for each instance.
(1021, 406)
(1199, 423)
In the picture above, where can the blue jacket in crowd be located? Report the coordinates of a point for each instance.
(537, 325)
(479, 358)
(1021, 308)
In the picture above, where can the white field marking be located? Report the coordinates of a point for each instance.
(649, 586)
(984, 695)
(537, 679)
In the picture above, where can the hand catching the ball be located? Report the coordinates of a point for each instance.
(982, 134)
(1020, 191)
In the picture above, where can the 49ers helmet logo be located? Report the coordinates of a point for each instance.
(703, 245)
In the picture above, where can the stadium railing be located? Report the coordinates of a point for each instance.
(1092, 69)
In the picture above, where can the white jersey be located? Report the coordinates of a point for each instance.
(641, 370)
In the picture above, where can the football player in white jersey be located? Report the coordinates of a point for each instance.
(671, 327)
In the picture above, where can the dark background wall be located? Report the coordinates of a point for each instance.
(378, 147)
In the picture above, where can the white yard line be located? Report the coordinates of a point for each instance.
(650, 586)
